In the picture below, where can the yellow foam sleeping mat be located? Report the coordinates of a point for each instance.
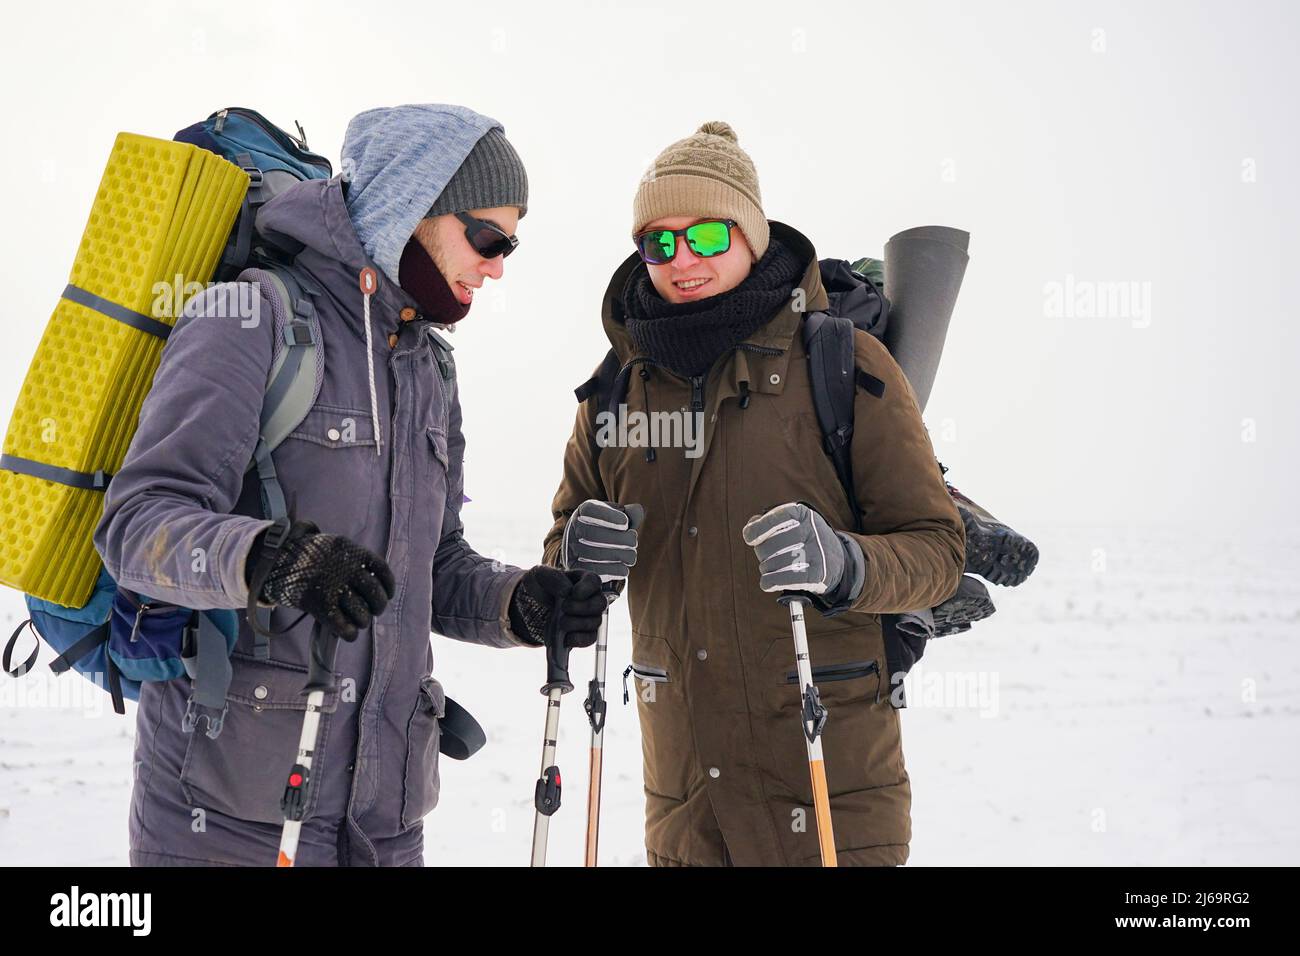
(163, 209)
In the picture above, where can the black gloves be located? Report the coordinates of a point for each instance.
(335, 580)
(533, 607)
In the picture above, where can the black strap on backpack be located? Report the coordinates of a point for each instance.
(600, 385)
(835, 378)
(7, 660)
(87, 645)
(235, 256)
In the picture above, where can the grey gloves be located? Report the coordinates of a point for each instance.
(798, 551)
(601, 538)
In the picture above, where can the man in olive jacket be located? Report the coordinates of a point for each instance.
(706, 318)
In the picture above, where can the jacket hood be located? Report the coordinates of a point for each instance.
(313, 215)
(309, 221)
(396, 161)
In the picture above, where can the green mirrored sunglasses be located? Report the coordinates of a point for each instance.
(709, 238)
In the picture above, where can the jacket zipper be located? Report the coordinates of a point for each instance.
(832, 672)
(643, 672)
(760, 349)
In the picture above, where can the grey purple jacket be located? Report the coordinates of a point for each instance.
(182, 513)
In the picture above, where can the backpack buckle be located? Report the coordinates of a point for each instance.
(194, 711)
(836, 440)
(276, 535)
(299, 333)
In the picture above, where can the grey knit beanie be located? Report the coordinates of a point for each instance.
(492, 175)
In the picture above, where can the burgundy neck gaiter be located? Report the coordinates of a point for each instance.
(418, 275)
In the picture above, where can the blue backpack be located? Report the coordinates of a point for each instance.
(121, 638)
(273, 159)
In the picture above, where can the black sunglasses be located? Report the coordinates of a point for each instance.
(488, 239)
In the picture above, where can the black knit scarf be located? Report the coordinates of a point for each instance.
(688, 338)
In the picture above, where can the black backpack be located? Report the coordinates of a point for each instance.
(856, 302)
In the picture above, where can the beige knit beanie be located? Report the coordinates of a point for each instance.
(706, 174)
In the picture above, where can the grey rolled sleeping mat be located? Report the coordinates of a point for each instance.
(924, 267)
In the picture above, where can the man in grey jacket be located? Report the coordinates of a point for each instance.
(424, 211)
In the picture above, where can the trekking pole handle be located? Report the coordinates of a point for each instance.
(790, 597)
(320, 669)
(557, 656)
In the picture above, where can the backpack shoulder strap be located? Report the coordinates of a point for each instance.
(294, 382)
(602, 387)
(602, 383)
(292, 388)
(835, 377)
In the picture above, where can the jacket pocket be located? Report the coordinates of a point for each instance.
(648, 675)
(861, 738)
(666, 737)
(420, 784)
(337, 426)
(243, 772)
(836, 672)
(842, 683)
(332, 448)
(438, 445)
(436, 481)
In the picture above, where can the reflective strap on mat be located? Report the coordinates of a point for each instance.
(136, 320)
(91, 481)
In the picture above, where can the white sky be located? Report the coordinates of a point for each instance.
(1006, 119)
(1122, 164)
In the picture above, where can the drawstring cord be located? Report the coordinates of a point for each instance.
(645, 400)
(369, 282)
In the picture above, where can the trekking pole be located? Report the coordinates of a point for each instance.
(814, 720)
(320, 678)
(546, 796)
(595, 705)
